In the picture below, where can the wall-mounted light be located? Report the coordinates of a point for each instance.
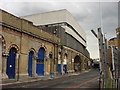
(55, 31)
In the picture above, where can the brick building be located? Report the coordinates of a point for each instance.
(30, 51)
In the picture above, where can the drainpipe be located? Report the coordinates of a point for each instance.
(62, 53)
(19, 52)
(57, 60)
(54, 33)
(54, 61)
(18, 68)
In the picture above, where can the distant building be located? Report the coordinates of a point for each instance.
(96, 63)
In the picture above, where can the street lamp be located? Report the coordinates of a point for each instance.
(55, 31)
(99, 37)
(94, 33)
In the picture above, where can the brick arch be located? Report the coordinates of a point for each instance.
(14, 46)
(77, 58)
(66, 54)
(77, 63)
(40, 60)
(33, 50)
(44, 47)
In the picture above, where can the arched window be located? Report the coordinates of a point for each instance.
(50, 55)
(40, 62)
(41, 55)
(30, 62)
(65, 56)
(77, 63)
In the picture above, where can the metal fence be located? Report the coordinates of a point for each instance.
(105, 75)
(116, 65)
(118, 71)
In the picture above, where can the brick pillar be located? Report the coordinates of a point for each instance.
(83, 63)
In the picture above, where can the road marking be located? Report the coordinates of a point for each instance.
(78, 85)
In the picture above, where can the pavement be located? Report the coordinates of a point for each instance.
(12, 82)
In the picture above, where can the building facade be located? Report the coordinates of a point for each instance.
(112, 42)
(63, 25)
(29, 51)
(26, 49)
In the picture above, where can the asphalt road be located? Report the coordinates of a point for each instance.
(84, 80)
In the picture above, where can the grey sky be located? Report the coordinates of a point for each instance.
(86, 13)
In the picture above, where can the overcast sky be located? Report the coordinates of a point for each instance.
(90, 15)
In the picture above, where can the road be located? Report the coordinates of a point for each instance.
(84, 80)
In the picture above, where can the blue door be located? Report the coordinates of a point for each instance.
(30, 60)
(40, 69)
(40, 62)
(59, 68)
(65, 68)
(10, 69)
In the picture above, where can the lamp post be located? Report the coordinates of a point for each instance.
(62, 54)
(54, 33)
(99, 36)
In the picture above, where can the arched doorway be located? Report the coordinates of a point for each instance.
(40, 62)
(77, 64)
(30, 62)
(10, 70)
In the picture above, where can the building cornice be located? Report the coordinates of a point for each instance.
(27, 33)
